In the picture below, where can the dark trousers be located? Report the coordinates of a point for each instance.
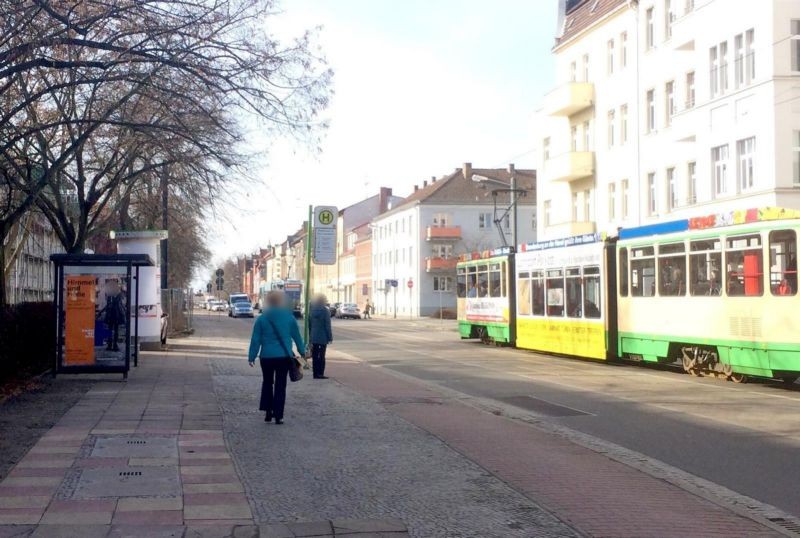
(275, 372)
(318, 358)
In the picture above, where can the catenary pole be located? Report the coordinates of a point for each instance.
(307, 290)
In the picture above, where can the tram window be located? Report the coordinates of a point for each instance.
(743, 259)
(555, 293)
(623, 272)
(705, 267)
(524, 294)
(461, 279)
(591, 292)
(672, 270)
(537, 293)
(643, 272)
(472, 281)
(495, 287)
(483, 281)
(783, 262)
(574, 293)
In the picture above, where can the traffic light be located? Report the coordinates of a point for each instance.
(208, 287)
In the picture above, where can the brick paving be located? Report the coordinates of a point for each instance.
(595, 494)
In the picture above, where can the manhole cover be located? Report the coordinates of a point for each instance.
(135, 447)
(127, 482)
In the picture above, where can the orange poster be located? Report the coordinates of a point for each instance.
(79, 325)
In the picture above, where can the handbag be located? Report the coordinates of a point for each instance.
(295, 373)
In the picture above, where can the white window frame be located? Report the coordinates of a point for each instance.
(440, 220)
(611, 128)
(612, 201)
(587, 205)
(720, 156)
(690, 90)
(649, 21)
(623, 124)
(547, 212)
(652, 194)
(442, 284)
(485, 220)
(575, 206)
(738, 61)
(669, 19)
(691, 179)
(746, 165)
(573, 71)
(587, 135)
(713, 70)
(672, 189)
(749, 56)
(624, 200)
(574, 137)
(585, 68)
(546, 149)
(623, 50)
(723, 68)
(611, 52)
(669, 102)
(651, 110)
(794, 44)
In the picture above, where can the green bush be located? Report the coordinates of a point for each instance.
(27, 339)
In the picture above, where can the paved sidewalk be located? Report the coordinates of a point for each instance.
(145, 457)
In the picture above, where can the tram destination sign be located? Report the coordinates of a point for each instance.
(324, 235)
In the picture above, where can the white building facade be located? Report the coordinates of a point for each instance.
(419, 241)
(667, 109)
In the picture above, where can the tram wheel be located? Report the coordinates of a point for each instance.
(738, 378)
(789, 379)
(687, 366)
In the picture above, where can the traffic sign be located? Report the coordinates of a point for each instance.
(220, 272)
(410, 283)
(325, 216)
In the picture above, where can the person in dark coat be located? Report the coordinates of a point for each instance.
(319, 323)
(273, 333)
(113, 313)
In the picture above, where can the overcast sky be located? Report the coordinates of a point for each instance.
(421, 86)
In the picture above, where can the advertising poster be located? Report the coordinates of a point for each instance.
(79, 310)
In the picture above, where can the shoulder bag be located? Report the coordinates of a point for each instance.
(295, 373)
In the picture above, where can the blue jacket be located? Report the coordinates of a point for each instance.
(265, 343)
(320, 325)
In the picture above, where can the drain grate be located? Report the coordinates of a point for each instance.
(788, 524)
(137, 442)
(130, 473)
(135, 447)
(543, 407)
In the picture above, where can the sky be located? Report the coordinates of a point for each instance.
(421, 86)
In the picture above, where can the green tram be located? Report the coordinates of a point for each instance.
(717, 295)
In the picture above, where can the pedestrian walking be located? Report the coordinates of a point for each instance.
(321, 334)
(273, 333)
(367, 310)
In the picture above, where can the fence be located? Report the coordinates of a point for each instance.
(178, 305)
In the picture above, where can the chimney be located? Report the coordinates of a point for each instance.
(424, 183)
(510, 168)
(383, 199)
(467, 171)
(416, 188)
(433, 180)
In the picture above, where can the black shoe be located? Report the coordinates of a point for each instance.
(320, 377)
(268, 416)
(278, 421)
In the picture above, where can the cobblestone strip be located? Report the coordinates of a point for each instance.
(598, 495)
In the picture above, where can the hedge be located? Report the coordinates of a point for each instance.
(27, 339)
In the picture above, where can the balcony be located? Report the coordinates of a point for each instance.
(437, 264)
(444, 233)
(569, 166)
(569, 99)
(684, 124)
(684, 30)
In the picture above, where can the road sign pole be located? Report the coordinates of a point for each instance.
(308, 273)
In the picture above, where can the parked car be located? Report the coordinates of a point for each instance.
(241, 309)
(237, 298)
(334, 308)
(218, 306)
(348, 310)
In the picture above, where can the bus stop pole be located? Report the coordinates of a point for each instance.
(307, 290)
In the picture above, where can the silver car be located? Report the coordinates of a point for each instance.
(241, 309)
(348, 310)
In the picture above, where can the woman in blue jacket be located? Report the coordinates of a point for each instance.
(273, 333)
(321, 334)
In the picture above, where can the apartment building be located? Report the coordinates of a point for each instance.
(30, 273)
(665, 109)
(416, 243)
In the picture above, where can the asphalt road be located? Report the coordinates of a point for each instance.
(744, 437)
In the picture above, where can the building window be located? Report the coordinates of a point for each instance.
(546, 148)
(587, 205)
(746, 150)
(573, 72)
(669, 18)
(485, 221)
(796, 158)
(669, 102)
(623, 124)
(652, 200)
(723, 67)
(738, 61)
(573, 132)
(612, 201)
(587, 136)
(624, 200)
(440, 220)
(546, 216)
(719, 162)
(691, 188)
(623, 50)
(610, 56)
(649, 29)
(575, 207)
(651, 111)
(611, 124)
(672, 191)
(689, 6)
(690, 92)
(439, 251)
(749, 57)
(794, 42)
(713, 60)
(586, 68)
(443, 283)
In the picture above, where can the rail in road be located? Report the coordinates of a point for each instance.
(744, 438)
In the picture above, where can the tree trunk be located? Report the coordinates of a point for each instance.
(3, 292)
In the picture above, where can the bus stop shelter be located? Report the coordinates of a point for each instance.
(97, 312)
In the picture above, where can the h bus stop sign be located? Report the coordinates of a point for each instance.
(324, 231)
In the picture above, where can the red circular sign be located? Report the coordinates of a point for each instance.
(410, 283)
